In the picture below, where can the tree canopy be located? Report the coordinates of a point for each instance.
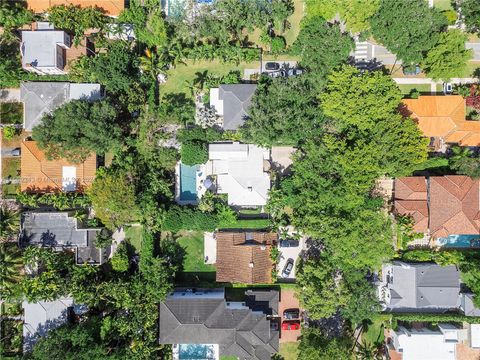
(470, 9)
(408, 28)
(113, 198)
(13, 15)
(449, 57)
(315, 345)
(321, 46)
(95, 129)
(283, 112)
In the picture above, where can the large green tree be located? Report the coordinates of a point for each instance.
(321, 46)
(408, 28)
(11, 269)
(359, 100)
(77, 19)
(14, 14)
(449, 57)
(471, 13)
(316, 345)
(113, 198)
(283, 112)
(78, 128)
(9, 223)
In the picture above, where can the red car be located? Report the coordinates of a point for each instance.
(291, 325)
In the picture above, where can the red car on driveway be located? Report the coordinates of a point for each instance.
(291, 325)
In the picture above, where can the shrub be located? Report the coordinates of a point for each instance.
(436, 318)
(414, 94)
(120, 260)
(277, 45)
(185, 218)
(9, 132)
(451, 16)
(194, 152)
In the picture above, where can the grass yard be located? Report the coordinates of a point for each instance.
(10, 170)
(374, 332)
(178, 77)
(289, 350)
(294, 20)
(135, 235)
(192, 242)
(443, 4)
(471, 67)
(406, 89)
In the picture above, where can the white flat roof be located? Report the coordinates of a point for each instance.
(40, 47)
(427, 345)
(475, 336)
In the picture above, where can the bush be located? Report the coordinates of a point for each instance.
(451, 16)
(414, 94)
(277, 45)
(185, 218)
(436, 318)
(194, 152)
(120, 260)
(9, 132)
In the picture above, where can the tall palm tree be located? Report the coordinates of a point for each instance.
(11, 268)
(459, 153)
(149, 63)
(9, 223)
(368, 351)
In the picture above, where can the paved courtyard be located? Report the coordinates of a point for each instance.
(290, 253)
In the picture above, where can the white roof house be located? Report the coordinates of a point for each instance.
(44, 50)
(425, 344)
(240, 173)
(43, 316)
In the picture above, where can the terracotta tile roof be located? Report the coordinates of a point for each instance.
(41, 175)
(244, 257)
(111, 7)
(444, 116)
(453, 207)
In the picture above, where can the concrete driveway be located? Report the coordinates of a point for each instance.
(282, 158)
(289, 253)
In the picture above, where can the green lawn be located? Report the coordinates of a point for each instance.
(294, 20)
(10, 168)
(135, 235)
(374, 331)
(192, 242)
(249, 224)
(178, 77)
(443, 4)
(406, 89)
(289, 350)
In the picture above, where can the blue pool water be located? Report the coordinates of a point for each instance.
(460, 241)
(196, 352)
(188, 183)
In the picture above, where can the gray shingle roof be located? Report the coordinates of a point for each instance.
(59, 230)
(237, 99)
(424, 286)
(41, 98)
(205, 320)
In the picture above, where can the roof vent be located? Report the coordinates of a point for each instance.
(251, 264)
(250, 188)
(263, 247)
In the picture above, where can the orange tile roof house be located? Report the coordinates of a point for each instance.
(244, 257)
(443, 117)
(41, 175)
(440, 205)
(110, 7)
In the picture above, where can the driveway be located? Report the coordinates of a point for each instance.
(282, 158)
(290, 253)
(476, 50)
(209, 248)
(288, 301)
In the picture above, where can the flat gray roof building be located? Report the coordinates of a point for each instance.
(59, 230)
(240, 329)
(40, 98)
(232, 102)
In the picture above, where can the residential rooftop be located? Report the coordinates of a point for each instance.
(110, 7)
(203, 316)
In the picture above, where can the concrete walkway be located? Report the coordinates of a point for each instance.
(10, 95)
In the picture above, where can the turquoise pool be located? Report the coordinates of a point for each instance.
(188, 183)
(460, 241)
(196, 352)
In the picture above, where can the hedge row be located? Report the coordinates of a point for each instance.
(422, 317)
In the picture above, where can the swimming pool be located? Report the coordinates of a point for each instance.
(459, 241)
(188, 182)
(197, 352)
